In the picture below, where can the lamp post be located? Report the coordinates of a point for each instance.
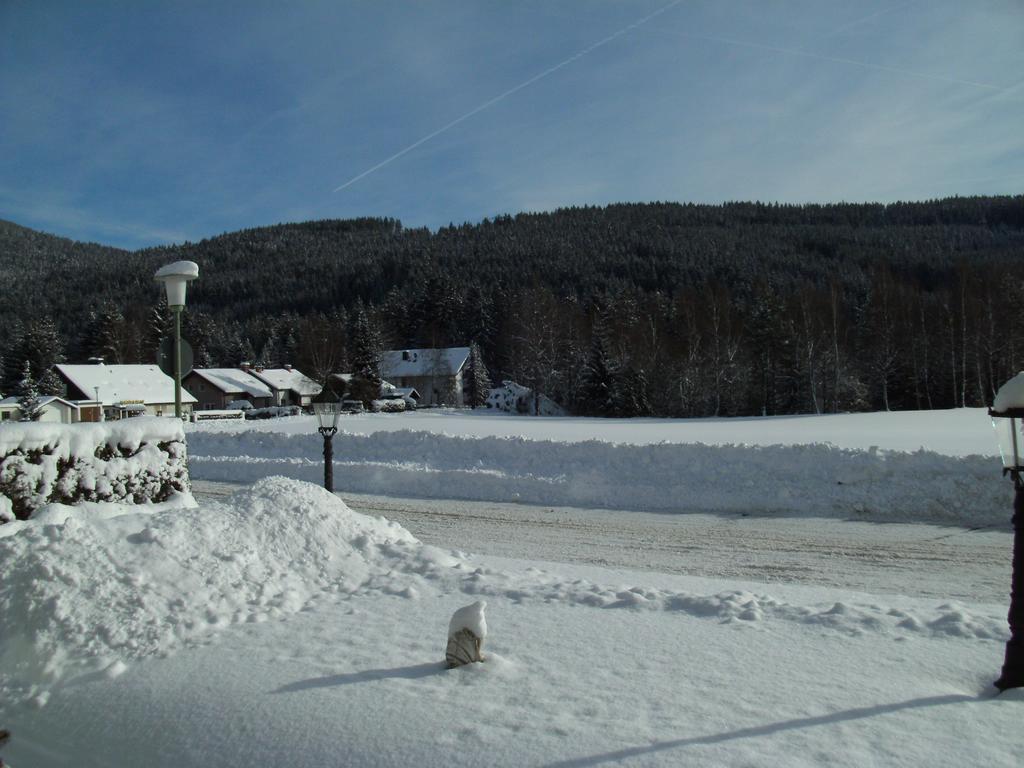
(1007, 414)
(327, 407)
(175, 278)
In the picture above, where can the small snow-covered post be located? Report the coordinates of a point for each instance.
(175, 278)
(466, 632)
(1007, 414)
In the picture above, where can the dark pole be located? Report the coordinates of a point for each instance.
(328, 435)
(1013, 667)
(177, 361)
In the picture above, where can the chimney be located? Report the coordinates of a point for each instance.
(95, 361)
(287, 366)
(245, 365)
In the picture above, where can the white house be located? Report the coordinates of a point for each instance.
(288, 385)
(436, 374)
(54, 409)
(125, 390)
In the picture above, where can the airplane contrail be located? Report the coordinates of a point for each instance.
(509, 92)
(840, 60)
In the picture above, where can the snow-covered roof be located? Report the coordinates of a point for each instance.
(387, 389)
(283, 379)
(44, 400)
(232, 381)
(396, 363)
(124, 383)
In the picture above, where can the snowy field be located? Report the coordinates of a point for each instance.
(960, 432)
(937, 466)
(272, 624)
(278, 627)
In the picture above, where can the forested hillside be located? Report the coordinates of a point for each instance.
(659, 308)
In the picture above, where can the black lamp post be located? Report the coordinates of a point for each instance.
(1008, 418)
(327, 407)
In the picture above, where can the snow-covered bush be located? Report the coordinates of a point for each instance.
(240, 405)
(131, 461)
(273, 412)
(389, 405)
(515, 398)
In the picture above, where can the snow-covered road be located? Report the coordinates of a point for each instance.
(907, 559)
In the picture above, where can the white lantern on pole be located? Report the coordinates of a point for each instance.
(175, 278)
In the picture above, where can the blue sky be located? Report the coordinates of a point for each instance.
(138, 123)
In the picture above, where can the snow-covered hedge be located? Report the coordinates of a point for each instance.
(135, 460)
(390, 405)
(273, 412)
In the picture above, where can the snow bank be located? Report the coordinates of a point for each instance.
(86, 593)
(815, 480)
(134, 460)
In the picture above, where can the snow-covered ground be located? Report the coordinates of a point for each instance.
(278, 627)
(937, 466)
(275, 625)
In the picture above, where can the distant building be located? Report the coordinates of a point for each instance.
(341, 382)
(55, 410)
(216, 388)
(124, 390)
(288, 386)
(436, 374)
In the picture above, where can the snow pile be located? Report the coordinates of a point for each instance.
(134, 460)
(815, 480)
(84, 592)
(511, 397)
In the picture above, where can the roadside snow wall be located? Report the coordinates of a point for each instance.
(136, 460)
(818, 480)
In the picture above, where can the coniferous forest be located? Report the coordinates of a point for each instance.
(632, 309)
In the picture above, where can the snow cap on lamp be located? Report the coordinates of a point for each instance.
(1007, 414)
(175, 277)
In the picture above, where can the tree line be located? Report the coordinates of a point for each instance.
(632, 309)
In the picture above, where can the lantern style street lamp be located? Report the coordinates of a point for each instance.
(1007, 414)
(327, 407)
(175, 278)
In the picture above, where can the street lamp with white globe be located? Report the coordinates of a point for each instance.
(1007, 414)
(175, 278)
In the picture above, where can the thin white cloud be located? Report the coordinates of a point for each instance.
(511, 91)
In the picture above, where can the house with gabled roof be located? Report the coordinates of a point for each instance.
(53, 409)
(216, 388)
(124, 390)
(436, 374)
(288, 386)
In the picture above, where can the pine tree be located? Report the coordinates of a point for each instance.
(597, 393)
(37, 343)
(50, 383)
(365, 358)
(28, 396)
(159, 325)
(629, 393)
(476, 383)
